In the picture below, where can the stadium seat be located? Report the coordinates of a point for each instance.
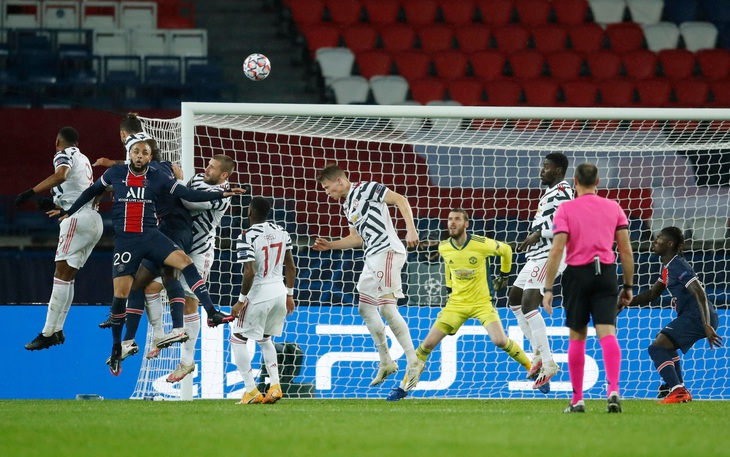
(175, 14)
(511, 38)
(579, 93)
(616, 93)
(488, 64)
(426, 90)
(495, 12)
(466, 91)
(640, 64)
(420, 12)
(510, 229)
(721, 93)
(570, 12)
(654, 93)
(398, 38)
(527, 64)
(677, 63)
(188, 42)
(163, 76)
(350, 89)
(112, 42)
(549, 38)
(434, 38)
(679, 11)
(360, 37)
(664, 35)
(625, 36)
(136, 14)
(376, 62)
(381, 12)
(714, 64)
(334, 63)
(306, 12)
(21, 14)
(149, 42)
(99, 15)
(459, 13)
(588, 37)
(604, 64)
(413, 64)
(540, 92)
(60, 14)
(638, 230)
(709, 228)
(645, 12)
(503, 92)
(533, 12)
(343, 13)
(698, 35)
(450, 64)
(473, 38)
(691, 93)
(320, 36)
(389, 89)
(564, 65)
(607, 11)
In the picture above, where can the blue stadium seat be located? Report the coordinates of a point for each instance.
(679, 11)
(510, 229)
(639, 230)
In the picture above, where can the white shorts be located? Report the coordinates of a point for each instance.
(203, 262)
(532, 275)
(262, 318)
(381, 275)
(77, 237)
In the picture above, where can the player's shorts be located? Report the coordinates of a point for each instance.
(587, 295)
(178, 230)
(131, 248)
(451, 318)
(532, 275)
(262, 318)
(685, 330)
(77, 237)
(203, 262)
(381, 275)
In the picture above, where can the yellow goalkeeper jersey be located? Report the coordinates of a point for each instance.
(466, 267)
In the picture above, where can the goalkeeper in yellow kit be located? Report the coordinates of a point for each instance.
(465, 260)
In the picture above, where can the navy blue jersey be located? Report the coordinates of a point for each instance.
(677, 275)
(168, 204)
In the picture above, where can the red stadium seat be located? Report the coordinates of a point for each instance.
(320, 36)
(533, 12)
(527, 64)
(677, 63)
(640, 64)
(654, 93)
(457, 13)
(587, 37)
(616, 92)
(540, 92)
(488, 64)
(360, 37)
(496, 12)
(691, 93)
(625, 36)
(467, 91)
(549, 38)
(579, 93)
(435, 38)
(420, 12)
(721, 92)
(375, 62)
(564, 65)
(570, 12)
(398, 38)
(450, 64)
(604, 64)
(307, 12)
(381, 12)
(511, 38)
(344, 13)
(427, 90)
(413, 64)
(714, 63)
(503, 92)
(473, 38)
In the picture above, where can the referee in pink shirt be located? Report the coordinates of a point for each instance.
(587, 227)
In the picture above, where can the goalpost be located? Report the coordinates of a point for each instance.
(664, 166)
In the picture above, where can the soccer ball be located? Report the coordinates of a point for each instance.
(256, 67)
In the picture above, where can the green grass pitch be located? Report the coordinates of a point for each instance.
(417, 428)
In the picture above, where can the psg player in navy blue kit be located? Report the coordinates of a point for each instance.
(136, 189)
(696, 318)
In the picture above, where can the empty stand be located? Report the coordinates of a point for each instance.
(721, 93)
(604, 64)
(664, 35)
(616, 92)
(698, 35)
(420, 12)
(21, 14)
(495, 12)
(457, 13)
(527, 64)
(533, 12)
(413, 64)
(450, 64)
(570, 12)
(350, 89)
(60, 14)
(511, 38)
(709, 228)
(654, 93)
(473, 38)
(344, 13)
(99, 15)
(466, 91)
(334, 63)
(640, 64)
(360, 37)
(588, 37)
(398, 38)
(381, 12)
(175, 14)
(677, 63)
(112, 42)
(138, 15)
(426, 90)
(503, 92)
(625, 36)
(433, 38)
(564, 65)
(691, 93)
(488, 64)
(716, 11)
(549, 38)
(320, 36)
(389, 90)
(679, 11)
(376, 62)
(714, 64)
(540, 92)
(579, 93)
(149, 42)
(306, 12)
(607, 11)
(187, 42)
(645, 11)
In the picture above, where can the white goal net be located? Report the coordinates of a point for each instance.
(664, 167)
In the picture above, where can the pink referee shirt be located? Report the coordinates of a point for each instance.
(591, 223)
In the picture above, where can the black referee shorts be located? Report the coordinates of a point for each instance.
(587, 294)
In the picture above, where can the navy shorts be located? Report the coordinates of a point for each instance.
(685, 330)
(130, 249)
(179, 231)
(587, 295)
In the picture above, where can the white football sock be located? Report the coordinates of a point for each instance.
(375, 325)
(268, 350)
(242, 360)
(524, 326)
(539, 335)
(59, 298)
(192, 327)
(153, 304)
(69, 301)
(398, 326)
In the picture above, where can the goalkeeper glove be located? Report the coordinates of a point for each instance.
(25, 196)
(500, 282)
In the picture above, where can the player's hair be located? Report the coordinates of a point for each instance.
(227, 164)
(131, 123)
(330, 173)
(587, 174)
(69, 135)
(675, 234)
(463, 213)
(260, 208)
(559, 159)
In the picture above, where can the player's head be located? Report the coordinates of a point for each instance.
(129, 125)
(219, 169)
(457, 223)
(334, 181)
(586, 175)
(669, 240)
(553, 168)
(67, 137)
(258, 210)
(140, 155)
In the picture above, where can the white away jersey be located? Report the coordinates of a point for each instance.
(266, 244)
(549, 202)
(206, 215)
(79, 177)
(367, 212)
